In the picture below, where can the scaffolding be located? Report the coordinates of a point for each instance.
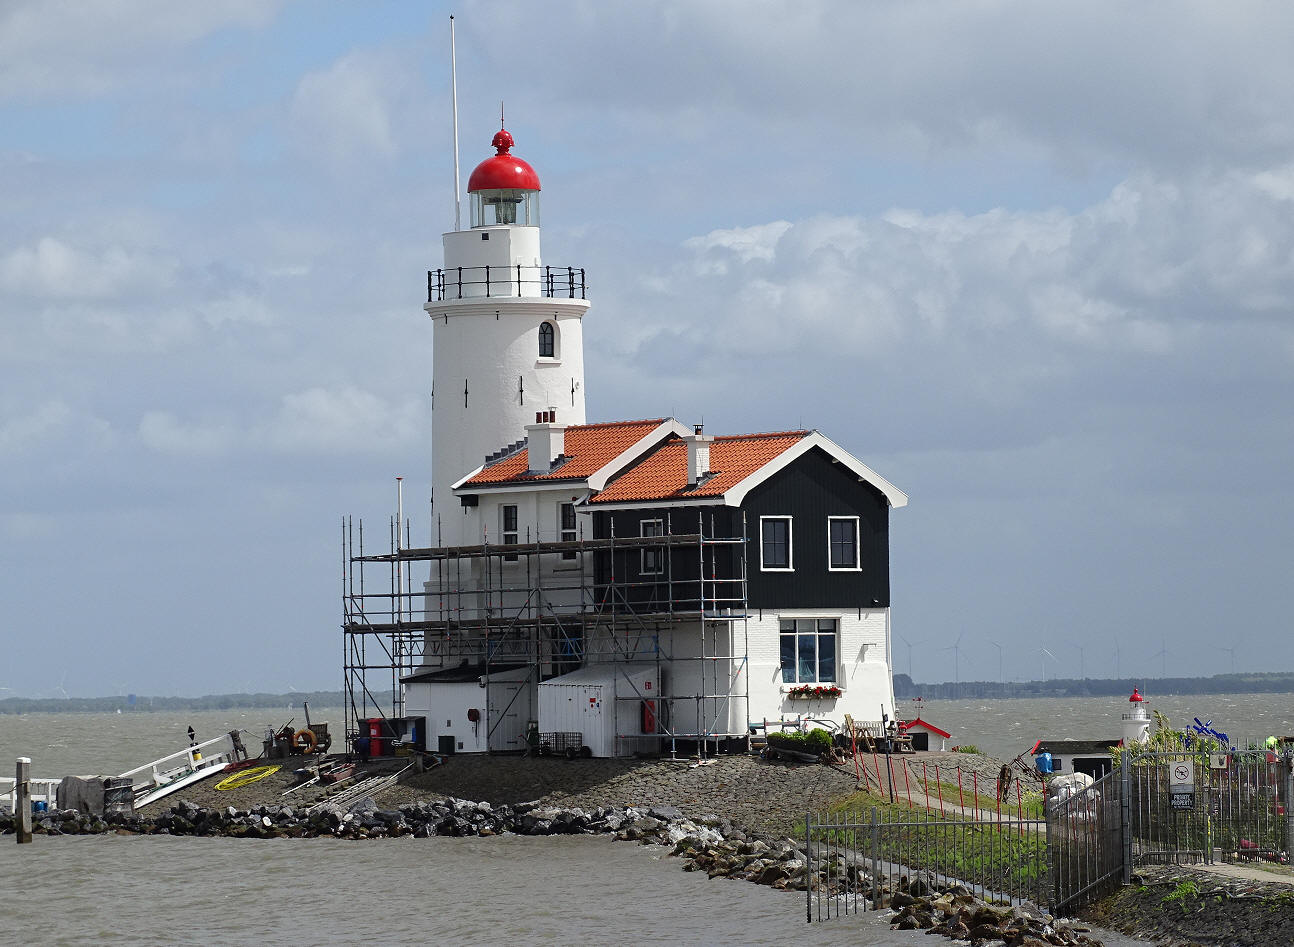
(553, 606)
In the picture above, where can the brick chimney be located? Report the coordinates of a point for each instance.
(545, 441)
(698, 454)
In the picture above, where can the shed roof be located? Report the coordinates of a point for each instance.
(906, 725)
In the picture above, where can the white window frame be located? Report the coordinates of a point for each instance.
(790, 544)
(657, 551)
(857, 566)
(838, 669)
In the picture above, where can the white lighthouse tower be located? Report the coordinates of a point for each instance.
(508, 346)
(1136, 723)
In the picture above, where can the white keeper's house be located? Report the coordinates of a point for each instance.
(615, 587)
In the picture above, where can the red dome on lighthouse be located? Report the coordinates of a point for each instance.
(1136, 697)
(503, 170)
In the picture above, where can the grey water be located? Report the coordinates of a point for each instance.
(121, 889)
(1007, 728)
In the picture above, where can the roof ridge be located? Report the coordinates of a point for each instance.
(619, 423)
(738, 437)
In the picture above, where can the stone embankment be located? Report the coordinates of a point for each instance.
(1180, 906)
(710, 844)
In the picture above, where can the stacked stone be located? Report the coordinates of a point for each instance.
(956, 913)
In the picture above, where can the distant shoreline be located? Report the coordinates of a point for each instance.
(130, 703)
(1256, 683)
(904, 689)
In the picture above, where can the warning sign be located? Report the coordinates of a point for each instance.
(1181, 785)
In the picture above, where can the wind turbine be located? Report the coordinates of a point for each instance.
(1000, 679)
(1045, 655)
(910, 645)
(1162, 654)
(1232, 652)
(956, 649)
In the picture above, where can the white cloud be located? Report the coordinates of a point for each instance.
(1147, 265)
(162, 432)
(91, 47)
(53, 269)
(313, 420)
(17, 434)
(344, 418)
(345, 111)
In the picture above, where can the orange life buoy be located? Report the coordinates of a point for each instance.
(304, 740)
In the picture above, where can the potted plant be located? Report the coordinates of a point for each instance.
(813, 692)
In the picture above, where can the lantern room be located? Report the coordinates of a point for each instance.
(503, 188)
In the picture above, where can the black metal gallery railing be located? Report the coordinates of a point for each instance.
(471, 282)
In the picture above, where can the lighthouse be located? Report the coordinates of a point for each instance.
(1136, 723)
(507, 340)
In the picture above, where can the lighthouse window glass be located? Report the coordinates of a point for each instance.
(842, 542)
(808, 650)
(775, 542)
(547, 338)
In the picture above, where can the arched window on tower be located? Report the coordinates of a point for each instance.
(547, 340)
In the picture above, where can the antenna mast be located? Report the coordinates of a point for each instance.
(453, 84)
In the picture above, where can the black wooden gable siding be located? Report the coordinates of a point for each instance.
(809, 490)
(682, 579)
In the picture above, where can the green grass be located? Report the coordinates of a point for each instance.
(1000, 858)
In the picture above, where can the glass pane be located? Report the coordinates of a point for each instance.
(806, 624)
(788, 659)
(775, 545)
(827, 658)
(807, 669)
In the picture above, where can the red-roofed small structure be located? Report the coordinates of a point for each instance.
(920, 732)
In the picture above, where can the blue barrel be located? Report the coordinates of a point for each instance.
(39, 805)
(361, 746)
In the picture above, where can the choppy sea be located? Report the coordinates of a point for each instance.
(514, 890)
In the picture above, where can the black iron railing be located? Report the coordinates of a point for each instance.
(469, 282)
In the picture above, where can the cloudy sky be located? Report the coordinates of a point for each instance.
(1033, 264)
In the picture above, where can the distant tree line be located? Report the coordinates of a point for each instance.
(1251, 683)
(131, 703)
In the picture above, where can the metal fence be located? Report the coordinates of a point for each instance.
(1085, 842)
(1208, 807)
(855, 859)
(1158, 808)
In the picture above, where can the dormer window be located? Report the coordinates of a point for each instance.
(547, 340)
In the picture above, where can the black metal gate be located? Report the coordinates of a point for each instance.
(1085, 842)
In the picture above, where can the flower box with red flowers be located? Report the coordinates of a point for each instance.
(813, 692)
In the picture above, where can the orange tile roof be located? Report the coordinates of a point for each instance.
(588, 448)
(662, 474)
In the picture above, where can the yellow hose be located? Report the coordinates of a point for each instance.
(245, 777)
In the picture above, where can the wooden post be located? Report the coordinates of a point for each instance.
(22, 801)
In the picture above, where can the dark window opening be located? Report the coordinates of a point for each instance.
(775, 542)
(547, 340)
(653, 557)
(509, 532)
(566, 525)
(843, 540)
